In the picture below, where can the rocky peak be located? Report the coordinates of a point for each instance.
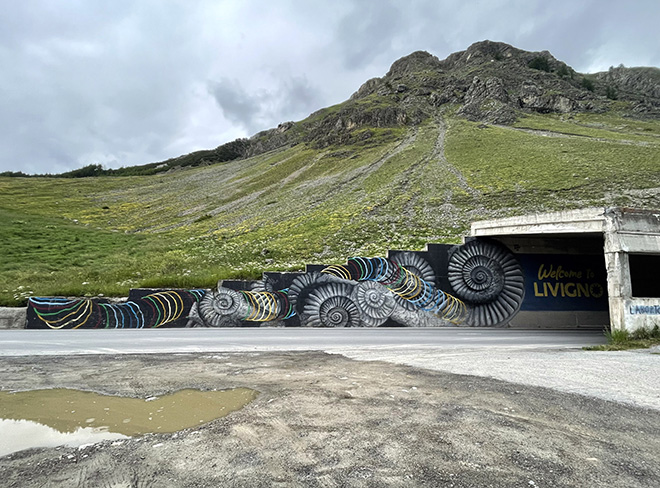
(490, 81)
(402, 69)
(413, 63)
(481, 52)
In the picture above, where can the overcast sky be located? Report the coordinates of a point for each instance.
(128, 82)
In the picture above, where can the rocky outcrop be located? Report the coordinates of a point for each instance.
(488, 101)
(412, 64)
(270, 139)
(534, 98)
(481, 53)
(369, 87)
(339, 127)
(644, 82)
(640, 86)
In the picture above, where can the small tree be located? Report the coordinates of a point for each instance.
(540, 63)
(611, 92)
(587, 84)
(563, 71)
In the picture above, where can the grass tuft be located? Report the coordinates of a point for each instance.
(621, 340)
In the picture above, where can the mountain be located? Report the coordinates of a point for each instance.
(412, 157)
(490, 82)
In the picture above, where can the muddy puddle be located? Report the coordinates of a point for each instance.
(54, 417)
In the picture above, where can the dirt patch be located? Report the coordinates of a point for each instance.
(324, 420)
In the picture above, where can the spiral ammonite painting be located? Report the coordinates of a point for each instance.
(482, 285)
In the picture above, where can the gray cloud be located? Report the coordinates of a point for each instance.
(290, 98)
(237, 104)
(124, 83)
(367, 31)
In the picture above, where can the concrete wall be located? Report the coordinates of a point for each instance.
(12, 317)
(641, 312)
(564, 319)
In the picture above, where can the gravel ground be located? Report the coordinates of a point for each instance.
(323, 420)
(630, 377)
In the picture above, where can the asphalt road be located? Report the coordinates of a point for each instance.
(66, 342)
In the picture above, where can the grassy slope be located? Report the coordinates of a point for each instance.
(280, 210)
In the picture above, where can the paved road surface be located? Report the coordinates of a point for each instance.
(40, 342)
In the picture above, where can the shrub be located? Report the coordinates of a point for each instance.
(564, 72)
(646, 333)
(617, 336)
(611, 93)
(587, 84)
(540, 63)
(84, 172)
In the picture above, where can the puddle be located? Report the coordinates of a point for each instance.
(55, 417)
(23, 434)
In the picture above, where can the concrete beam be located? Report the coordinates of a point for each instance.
(589, 220)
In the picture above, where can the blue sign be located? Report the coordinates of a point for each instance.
(564, 282)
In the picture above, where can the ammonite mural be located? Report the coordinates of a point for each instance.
(485, 280)
(486, 275)
(331, 305)
(375, 303)
(365, 292)
(416, 265)
(168, 308)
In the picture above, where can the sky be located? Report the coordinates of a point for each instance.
(128, 82)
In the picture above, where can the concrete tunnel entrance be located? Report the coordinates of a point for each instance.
(588, 268)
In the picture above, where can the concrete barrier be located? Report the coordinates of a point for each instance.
(12, 317)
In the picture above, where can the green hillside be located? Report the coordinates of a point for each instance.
(401, 188)
(318, 196)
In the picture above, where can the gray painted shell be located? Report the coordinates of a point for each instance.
(302, 286)
(330, 305)
(415, 264)
(266, 284)
(375, 302)
(489, 279)
(222, 308)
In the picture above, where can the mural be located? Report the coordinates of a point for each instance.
(169, 308)
(486, 281)
(363, 293)
(486, 275)
(565, 282)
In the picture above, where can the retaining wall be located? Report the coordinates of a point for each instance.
(13, 317)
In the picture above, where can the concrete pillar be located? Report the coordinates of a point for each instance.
(619, 285)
